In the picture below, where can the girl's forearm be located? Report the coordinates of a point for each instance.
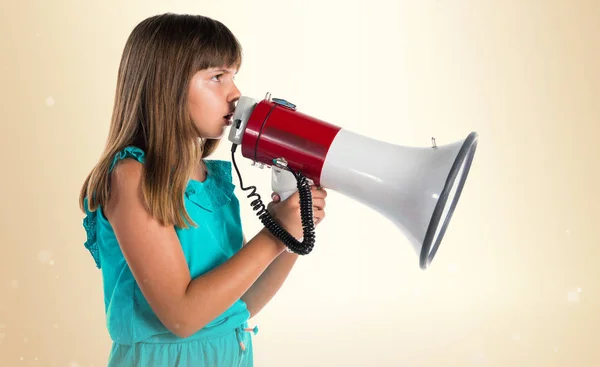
(269, 283)
(209, 295)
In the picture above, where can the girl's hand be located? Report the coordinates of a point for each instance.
(287, 212)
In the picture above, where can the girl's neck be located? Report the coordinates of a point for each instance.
(200, 173)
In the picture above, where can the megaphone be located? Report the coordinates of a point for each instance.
(416, 188)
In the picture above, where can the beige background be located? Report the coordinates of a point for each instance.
(516, 280)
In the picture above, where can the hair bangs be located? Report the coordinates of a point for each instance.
(222, 49)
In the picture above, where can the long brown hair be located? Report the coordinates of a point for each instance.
(160, 57)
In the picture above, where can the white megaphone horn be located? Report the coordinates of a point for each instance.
(417, 188)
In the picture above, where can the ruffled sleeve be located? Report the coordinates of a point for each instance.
(128, 152)
(218, 188)
(90, 222)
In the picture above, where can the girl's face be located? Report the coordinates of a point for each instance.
(211, 100)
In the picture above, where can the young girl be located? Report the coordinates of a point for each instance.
(163, 222)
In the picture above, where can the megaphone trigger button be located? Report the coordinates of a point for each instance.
(284, 103)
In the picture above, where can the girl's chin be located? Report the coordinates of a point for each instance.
(216, 134)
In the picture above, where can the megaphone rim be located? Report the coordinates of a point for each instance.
(463, 158)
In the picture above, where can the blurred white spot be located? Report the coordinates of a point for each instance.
(22, 358)
(573, 297)
(58, 276)
(14, 284)
(55, 326)
(578, 290)
(37, 34)
(35, 358)
(435, 196)
(25, 340)
(50, 101)
(45, 256)
(177, 325)
(568, 232)
(51, 262)
(556, 350)
(453, 268)
(74, 364)
(516, 337)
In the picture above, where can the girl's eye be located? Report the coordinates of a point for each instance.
(216, 77)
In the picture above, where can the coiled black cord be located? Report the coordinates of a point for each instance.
(306, 212)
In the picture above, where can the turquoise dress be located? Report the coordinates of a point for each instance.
(139, 338)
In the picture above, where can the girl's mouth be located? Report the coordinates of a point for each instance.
(228, 119)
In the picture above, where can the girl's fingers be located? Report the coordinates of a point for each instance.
(318, 216)
(319, 204)
(318, 192)
(275, 197)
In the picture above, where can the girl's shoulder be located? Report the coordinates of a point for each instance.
(212, 194)
(91, 218)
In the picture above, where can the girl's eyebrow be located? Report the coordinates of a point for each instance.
(221, 70)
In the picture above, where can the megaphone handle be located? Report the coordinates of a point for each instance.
(283, 182)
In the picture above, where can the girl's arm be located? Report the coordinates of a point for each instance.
(269, 283)
(272, 279)
(154, 254)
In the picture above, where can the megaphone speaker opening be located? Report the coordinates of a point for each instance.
(448, 199)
